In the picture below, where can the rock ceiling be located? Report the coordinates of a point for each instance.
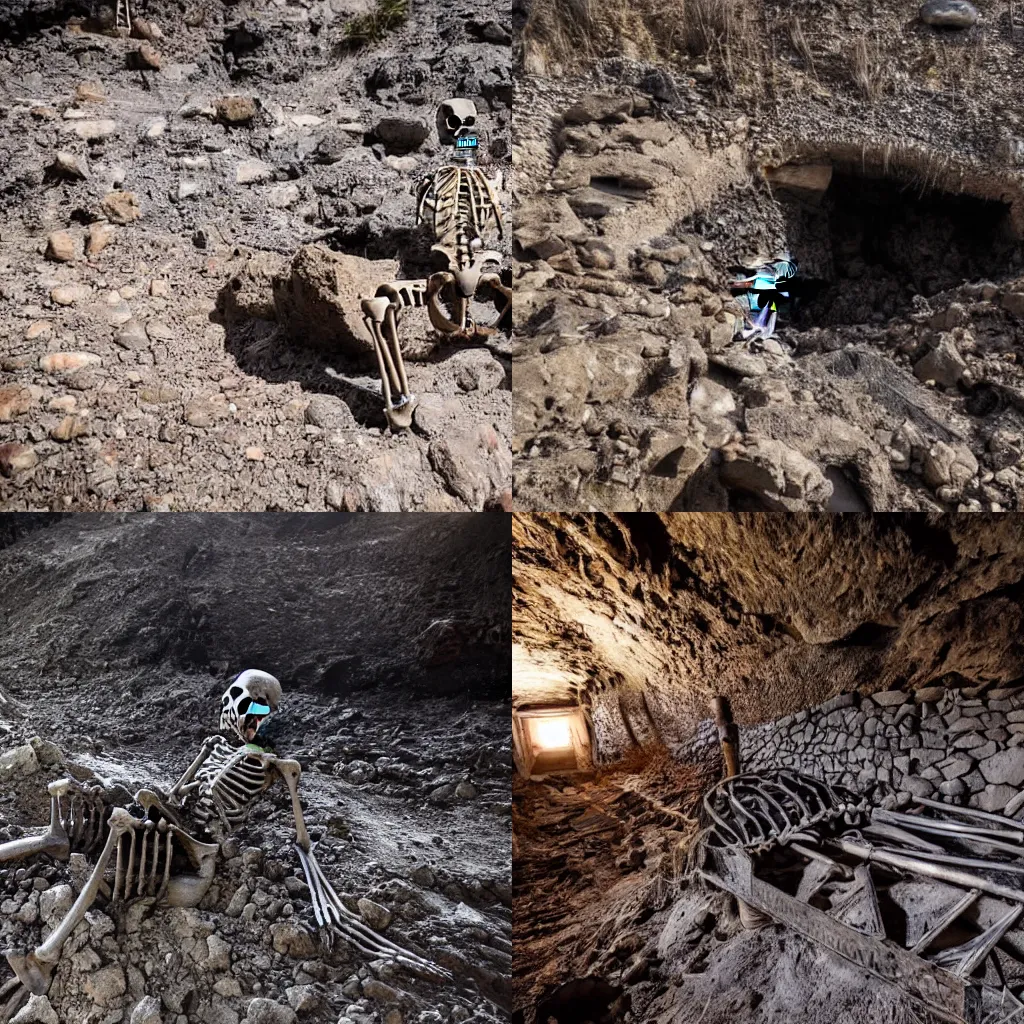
(776, 612)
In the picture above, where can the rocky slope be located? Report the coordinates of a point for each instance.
(155, 191)
(405, 781)
(338, 601)
(861, 140)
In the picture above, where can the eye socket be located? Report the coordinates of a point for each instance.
(470, 120)
(243, 705)
(235, 691)
(448, 123)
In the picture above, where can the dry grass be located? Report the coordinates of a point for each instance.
(574, 33)
(868, 71)
(385, 17)
(799, 43)
(565, 35)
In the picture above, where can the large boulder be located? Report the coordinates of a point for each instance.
(554, 388)
(949, 13)
(18, 762)
(943, 364)
(401, 135)
(317, 300)
(546, 226)
(250, 290)
(949, 464)
(772, 468)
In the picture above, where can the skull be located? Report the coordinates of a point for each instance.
(248, 702)
(455, 117)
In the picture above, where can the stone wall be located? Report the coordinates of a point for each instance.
(951, 745)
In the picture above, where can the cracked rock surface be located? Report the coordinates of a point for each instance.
(665, 611)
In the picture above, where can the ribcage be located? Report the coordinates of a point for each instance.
(460, 205)
(227, 783)
(144, 858)
(760, 810)
(82, 813)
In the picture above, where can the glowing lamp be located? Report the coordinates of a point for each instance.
(551, 733)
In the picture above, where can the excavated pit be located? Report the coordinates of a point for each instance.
(870, 244)
(877, 653)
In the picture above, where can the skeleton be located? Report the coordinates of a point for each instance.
(147, 850)
(854, 878)
(461, 208)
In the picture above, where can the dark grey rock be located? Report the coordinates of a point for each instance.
(995, 798)
(957, 767)
(949, 14)
(401, 135)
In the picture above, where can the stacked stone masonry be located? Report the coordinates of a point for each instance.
(936, 743)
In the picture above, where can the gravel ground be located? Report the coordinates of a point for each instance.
(406, 790)
(136, 202)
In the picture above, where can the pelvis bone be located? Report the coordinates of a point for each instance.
(457, 287)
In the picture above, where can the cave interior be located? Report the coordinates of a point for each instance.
(877, 658)
(873, 241)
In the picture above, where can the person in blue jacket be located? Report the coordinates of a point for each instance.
(759, 293)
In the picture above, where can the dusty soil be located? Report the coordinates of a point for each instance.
(406, 790)
(645, 178)
(182, 400)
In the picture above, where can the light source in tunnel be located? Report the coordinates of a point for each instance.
(549, 740)
(551, 733)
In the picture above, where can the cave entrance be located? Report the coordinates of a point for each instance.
(866, 244)
(550, 740)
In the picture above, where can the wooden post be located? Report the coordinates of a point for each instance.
(727, 736)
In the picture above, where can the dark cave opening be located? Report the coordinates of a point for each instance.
(580, 1001)
(869, 245)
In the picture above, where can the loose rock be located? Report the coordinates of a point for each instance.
(949, 13)
(121, 207)
(61, 246)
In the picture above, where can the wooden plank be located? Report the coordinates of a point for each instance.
(936, 989)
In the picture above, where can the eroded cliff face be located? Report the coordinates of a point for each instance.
(643, 618)
(860, 140)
